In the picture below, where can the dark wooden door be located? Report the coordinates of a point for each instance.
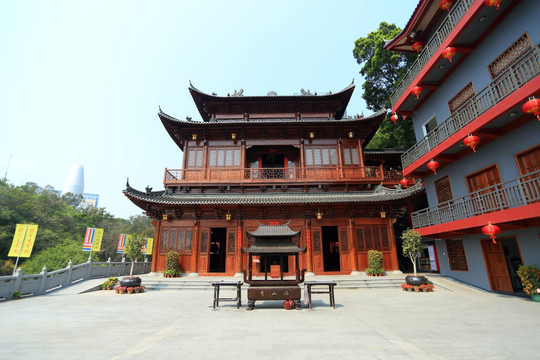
(496, 266)
(487, 200)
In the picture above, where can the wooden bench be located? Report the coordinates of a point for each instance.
(330, 291)
(238, 298)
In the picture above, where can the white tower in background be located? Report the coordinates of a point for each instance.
(75, 181)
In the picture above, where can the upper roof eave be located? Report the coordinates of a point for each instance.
(200, 97)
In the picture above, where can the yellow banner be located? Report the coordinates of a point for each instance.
(149, 246)
(98, 236)
(26, 235)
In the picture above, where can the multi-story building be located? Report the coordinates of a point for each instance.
(476, 68)
(275, 160)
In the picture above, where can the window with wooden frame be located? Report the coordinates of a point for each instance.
(443, 190)
(321, 155)
(529, 162)
(510, 55)
(224, 157)
(350, 155)
(461, 97)
(456, 255)
(195, 158)
(481, 183)
(176, 239)
(372, 238)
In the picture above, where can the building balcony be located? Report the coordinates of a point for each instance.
(367, 174)
(513, 200)
(501, 96)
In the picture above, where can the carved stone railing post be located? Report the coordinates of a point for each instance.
(67, 274)
(88, 271)
(43, 281)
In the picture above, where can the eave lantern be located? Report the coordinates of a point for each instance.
(471, 141)
(532, 107)
(449, 53)
(433, 166)
(445, 4)
(394, 118)
(493, 3)
(491, 230)
(417, 90)
(404, 182)
(418, 46)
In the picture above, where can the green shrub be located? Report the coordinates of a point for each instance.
(375, 261)
(172, 265)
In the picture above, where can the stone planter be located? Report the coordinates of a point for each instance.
(131, 282)
(416, 280)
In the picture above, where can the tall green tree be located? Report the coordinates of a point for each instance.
(382, 70)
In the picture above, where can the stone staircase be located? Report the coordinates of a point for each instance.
(159, 283)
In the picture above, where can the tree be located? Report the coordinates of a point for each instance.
(382, 70)
(133, 249)
(411, 245)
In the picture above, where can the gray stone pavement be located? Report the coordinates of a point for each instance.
(453, 322)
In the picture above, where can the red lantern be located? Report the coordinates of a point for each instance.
(403, 117)
(493, 3)
(532, 107)
(445, 4)
(394, 118)
(449, 53)
(416, 91)
(491, 230)
(418, 46)
(404, 182)
(471, 141)
(433, 165)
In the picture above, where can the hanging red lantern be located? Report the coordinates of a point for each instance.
(493, 3)
(449, 53)
(418, 46)
(394, 118)
(404, 182)
(471, 141)
(416, 91)
(491, 230)
(445, 4)
(532, 107)
(433, 165)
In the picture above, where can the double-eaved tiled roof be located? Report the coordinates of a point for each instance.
(379, 194)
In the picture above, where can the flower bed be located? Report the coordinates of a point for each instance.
(422, 288)
(129, 289)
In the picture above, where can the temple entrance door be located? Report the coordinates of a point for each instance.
(330, 242)
(218, 249)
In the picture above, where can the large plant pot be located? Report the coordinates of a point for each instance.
(535, 297)
(416, 280)
(130, 282)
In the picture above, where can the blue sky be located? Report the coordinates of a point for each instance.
(81, 81)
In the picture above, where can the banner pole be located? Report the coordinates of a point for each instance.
(20, 249)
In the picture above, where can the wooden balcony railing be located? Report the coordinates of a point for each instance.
(375, 174)
(449, 23)
(517, 192)
(521, 71)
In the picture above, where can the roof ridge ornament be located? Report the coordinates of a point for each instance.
(238, 93)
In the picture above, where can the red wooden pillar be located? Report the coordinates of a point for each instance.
(155, 248)
(354, 256)
(195, 247)
(392, 243)
(239, 236)
(309, 252)
(361, 159)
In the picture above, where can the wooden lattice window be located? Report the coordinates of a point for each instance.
(443, 189)
(204, 242)
(344, 241)
(461, 97)
(164, 239)
(456, 255)
(510, 55)
(195, 158)
(224, 157)
(172, 239)
(316, 241)
(372, 238)
(321, 155)
(230, 242)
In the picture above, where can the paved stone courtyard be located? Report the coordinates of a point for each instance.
(454, 322)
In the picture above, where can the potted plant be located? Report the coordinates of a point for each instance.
(530, 280)
(172, 265)
(412, 244)
(121, 289)
(375, 260)
(17, 295)
(133, 250)
(288, 304)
